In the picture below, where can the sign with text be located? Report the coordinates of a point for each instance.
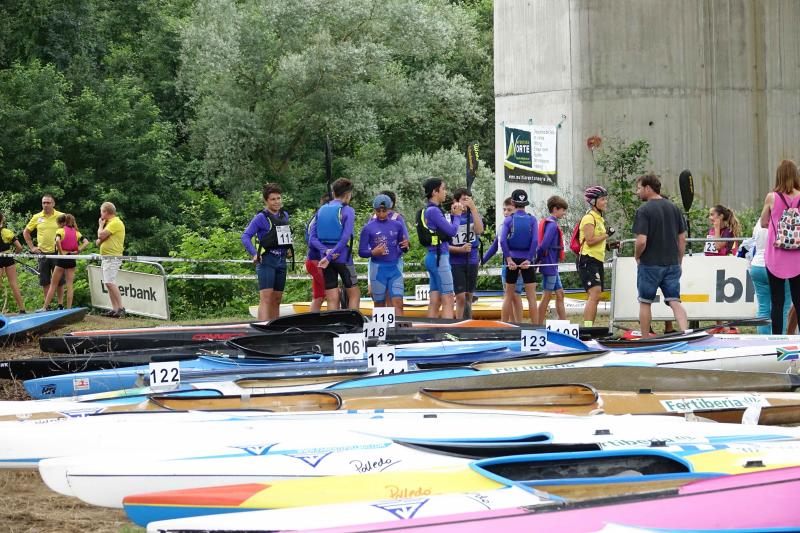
(142, 294)
(385, 315)
(533, 339)
(563, 326)
(349, 346)
(530, 155)
(712, 288)
(422, 292)
(164, 376)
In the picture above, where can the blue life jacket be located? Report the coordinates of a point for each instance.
(329, 223)
(521, 234)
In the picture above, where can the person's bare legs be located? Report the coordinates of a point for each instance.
(544, 304)
(509, 294)
(645, 318)
(274, 308)
(55, 279)
(561, 310)
(316, 304)
(680, 314)
(516, 307)
(592, 299)
(447, 305)
(533, 309)
(353, 297)
(70, 274)
(434, 302)
(332, 298)
(397, 303)
(114, 296)
(461, 298)
(11, 273)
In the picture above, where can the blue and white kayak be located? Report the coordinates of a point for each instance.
(13, 327)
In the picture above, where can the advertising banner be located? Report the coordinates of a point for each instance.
(142, 294)
(712, 288)
(530, 154)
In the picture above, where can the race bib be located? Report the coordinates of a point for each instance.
(464, 236)
(710, 247)
(284, 234)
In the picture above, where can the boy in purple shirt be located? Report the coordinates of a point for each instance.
(518, 240)
(464, 261)
(384, 241)
(437, 260)
(549, 253)
(271, 228)
(332, 236)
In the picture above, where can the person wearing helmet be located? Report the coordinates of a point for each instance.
(593, 236)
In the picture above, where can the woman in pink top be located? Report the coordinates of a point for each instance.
(69, 241)
(725, 225)
(781, 264)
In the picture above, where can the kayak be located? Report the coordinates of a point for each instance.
(574, 399)
(485, 308)
(591, 474)
(16, 327)
(711, 505)
(343, 514)
(476, 433)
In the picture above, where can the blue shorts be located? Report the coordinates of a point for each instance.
(520, 285)
(385, 277)
(649, 278)
(551, 283)
(271, 272)
(441, 277)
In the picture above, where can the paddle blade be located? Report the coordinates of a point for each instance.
(328, 163)
(686, 184)
(472, 163)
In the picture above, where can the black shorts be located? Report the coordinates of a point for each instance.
(46, 267)
(6, 262)
(66, 263)
(463, 282)
(528, 274)
(591, 272)
(334, 271)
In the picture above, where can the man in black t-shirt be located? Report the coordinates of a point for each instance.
(660, 242)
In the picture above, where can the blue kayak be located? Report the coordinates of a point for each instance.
(20, 326)
(206, 366)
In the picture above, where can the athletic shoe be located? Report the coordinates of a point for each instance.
(60, 307)
(110, 313)
(22, 312)
(42, 310)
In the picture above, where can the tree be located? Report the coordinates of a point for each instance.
(267, 80)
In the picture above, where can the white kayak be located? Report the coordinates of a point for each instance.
(338, 515)
(162, 456)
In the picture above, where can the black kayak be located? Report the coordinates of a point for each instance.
(164, 337)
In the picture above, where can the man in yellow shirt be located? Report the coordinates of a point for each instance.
(45, 224)
(111, 240)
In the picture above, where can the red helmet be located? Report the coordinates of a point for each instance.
(593, 193)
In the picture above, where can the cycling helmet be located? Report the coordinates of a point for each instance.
(593, 193)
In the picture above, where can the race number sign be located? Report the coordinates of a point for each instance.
(284, 234)
(422, 292)
(384, 360)
(375, 330)
(533, 339)
(463, 236)
(384, 315)
(164, 376)
(349, 346)
(563, 326)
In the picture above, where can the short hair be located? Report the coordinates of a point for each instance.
(392, 196)
(430, 185)
(555, 202)
(271, 188)
(458, 193)
(49, 195)
(108, 207)
(341, 187)
(650, 180)
(509, 201)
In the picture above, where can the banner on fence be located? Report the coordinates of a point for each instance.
(142, 294)
(712, 288)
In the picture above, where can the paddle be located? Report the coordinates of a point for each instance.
(472, 170)
(686, 184)
(27, 267)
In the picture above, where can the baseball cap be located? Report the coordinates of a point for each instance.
(520, 198)
(382, 201)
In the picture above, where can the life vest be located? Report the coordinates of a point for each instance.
(560, 247)
(70, 241)
(427, 236)
(521, 234)
(329, 223)
(271, 239)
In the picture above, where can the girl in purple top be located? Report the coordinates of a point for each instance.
(271, 229)
(781, 264)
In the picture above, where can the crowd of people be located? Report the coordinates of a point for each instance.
(57, 233)
(451, 237)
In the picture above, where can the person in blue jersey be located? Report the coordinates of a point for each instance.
(384, 241)
(312, 263)
(549, 253)
(271, 228)
(518, 239)
(392, 214)
(511, 311)
(434, 232)
(332, 235)
(464, 261)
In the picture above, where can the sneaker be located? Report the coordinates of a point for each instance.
(110, 313)
(60, 307)
(121, 313)
(22, 312)
(42, 310)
